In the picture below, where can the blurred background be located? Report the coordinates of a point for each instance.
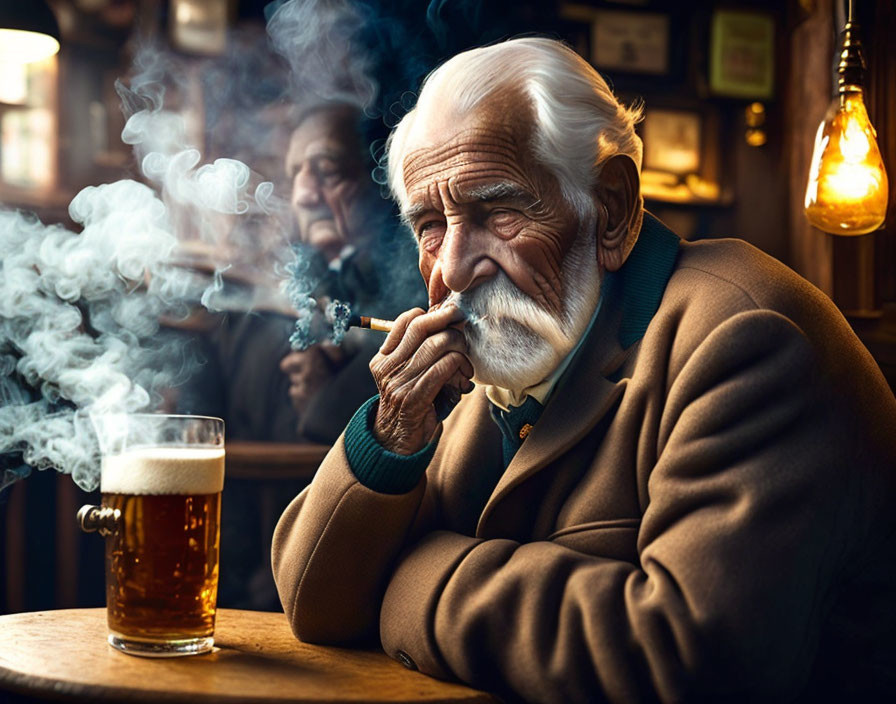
(734, 94)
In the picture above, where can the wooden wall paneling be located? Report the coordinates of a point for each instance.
(67, 542)
(879, 31)
(808, 95)
(14, 548)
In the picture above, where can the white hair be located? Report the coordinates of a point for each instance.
(579, 123)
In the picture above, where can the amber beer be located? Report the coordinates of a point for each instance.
(162, 560)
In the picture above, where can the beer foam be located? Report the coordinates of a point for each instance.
(164, 470)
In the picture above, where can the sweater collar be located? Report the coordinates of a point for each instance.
(642, 280)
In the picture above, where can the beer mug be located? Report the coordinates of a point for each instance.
(161, 482)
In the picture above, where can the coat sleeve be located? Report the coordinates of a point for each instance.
(748, 502)
(334, 548)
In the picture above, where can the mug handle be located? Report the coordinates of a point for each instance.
(99, 519)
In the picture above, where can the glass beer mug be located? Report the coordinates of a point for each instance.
(161, 482)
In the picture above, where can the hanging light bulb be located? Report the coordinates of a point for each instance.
(28, 31)
(848, 189)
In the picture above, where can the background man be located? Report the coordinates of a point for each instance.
(675, 476)
(264, 390)
(336, 210)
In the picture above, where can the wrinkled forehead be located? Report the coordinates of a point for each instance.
(470, 151)
(493, 141)
(330, 128)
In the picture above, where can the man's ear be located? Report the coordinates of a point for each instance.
(617, 194)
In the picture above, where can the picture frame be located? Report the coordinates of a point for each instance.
(672, 141)
(199, 26)
(682, 155)
(742, 54)
(631, 42)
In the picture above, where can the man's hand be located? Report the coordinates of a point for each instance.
(421, 371)
(309, 371)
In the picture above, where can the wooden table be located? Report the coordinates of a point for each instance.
(63, 655)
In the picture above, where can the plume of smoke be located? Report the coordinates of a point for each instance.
(335, 48)
(79, 312)
(208, 296)
(79, 323)
(338, 314)
(304, 273)
(321, 41)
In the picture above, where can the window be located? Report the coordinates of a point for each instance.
(29, 125)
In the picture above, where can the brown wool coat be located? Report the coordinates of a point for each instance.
(706, 514)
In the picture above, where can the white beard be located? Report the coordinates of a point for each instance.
(515, 343)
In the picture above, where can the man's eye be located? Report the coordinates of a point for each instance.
(328, 170)
(505, 221)
(430, 235)
(501, 215)
(429, 227)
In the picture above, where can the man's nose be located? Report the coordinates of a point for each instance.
(306, 189)
(463, 258)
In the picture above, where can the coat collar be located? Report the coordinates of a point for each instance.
(585, 393)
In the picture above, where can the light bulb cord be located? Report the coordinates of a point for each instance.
(851, 68)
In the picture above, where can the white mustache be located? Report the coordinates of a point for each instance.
(497, 300)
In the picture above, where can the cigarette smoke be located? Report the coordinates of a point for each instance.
(79, 330)
(80, 313)
(334, 48)
(321, 40)
(339, 313)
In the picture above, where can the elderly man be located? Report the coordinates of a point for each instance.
(335, 206)
(324, 162)
(675, 477)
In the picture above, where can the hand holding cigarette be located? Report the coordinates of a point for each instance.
(421, 371)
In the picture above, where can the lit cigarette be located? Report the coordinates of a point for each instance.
(363, 321)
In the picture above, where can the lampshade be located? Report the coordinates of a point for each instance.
(28, 31)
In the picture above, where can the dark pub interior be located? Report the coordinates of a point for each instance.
(527, 351)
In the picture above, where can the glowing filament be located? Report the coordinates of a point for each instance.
(848, 188)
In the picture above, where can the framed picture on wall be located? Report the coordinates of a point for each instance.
(199, 26)
(682, 155)
(742, 54)
(672, 141)
(632, 42)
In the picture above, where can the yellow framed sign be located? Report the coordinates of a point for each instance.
(742, 54)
